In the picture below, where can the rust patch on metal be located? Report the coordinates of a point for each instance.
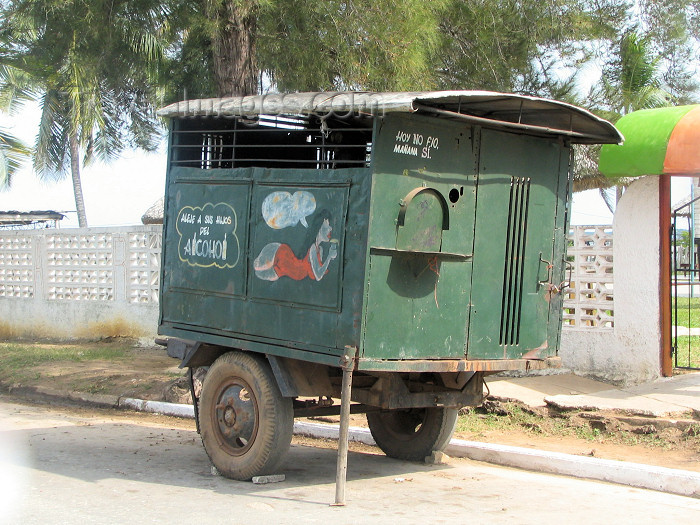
(456, 365)
(553, 290)
(535, 352)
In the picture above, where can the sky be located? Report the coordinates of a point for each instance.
(118, 194)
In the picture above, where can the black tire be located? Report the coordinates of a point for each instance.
(245, 423)
(412, 434)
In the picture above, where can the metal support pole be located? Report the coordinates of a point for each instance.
(691, 227)
(348, 364)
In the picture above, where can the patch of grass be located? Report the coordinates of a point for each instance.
(582, 432)
(688, 315)
(688, 312)
(496, 417)
(648, 440)
(693, 431)
(506, 417)
(688, 351)
(17, 359)
(478, 421)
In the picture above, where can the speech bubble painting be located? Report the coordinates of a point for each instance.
(208, 236)
(281, 209)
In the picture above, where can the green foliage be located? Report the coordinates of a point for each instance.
(307, 46)
(632, 80)
(688, 312)
(521, 45)
(688, 351)
(360, 44)
(674, 29)
(13, 152)
(93, 67)
(637, 75)
(683, 239)
(92, 64)
(99, 67)
(187, 72)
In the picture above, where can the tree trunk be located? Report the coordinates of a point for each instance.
(619, 189)
(75, 175)
(233, 46)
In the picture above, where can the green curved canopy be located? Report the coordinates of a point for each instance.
(657, 141)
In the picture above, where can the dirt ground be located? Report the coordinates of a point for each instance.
(142, 372)
(148, 373)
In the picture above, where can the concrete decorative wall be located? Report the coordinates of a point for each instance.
(101, 282)
(629, 352)
(80, 283)
(588, 300)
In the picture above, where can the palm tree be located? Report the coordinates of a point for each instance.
(630, 82)
(13, 152)
(634, 79)
(90, 64)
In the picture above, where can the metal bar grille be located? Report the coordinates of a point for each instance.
(514, 263)
(685, 282)
(212, 151)
(293, 142)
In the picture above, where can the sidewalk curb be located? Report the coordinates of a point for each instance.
(157, 407)
(672, 481)
(681, 482)
(321, 431)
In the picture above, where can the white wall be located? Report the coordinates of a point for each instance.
(630, 352)
(101, 282)
(80, 283)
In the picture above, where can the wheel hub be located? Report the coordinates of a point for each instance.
(236, 417)
(229, 416)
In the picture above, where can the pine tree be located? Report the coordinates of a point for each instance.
(302, 45)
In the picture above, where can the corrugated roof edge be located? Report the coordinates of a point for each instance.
(545, 114)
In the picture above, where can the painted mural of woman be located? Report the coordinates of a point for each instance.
(279, 260)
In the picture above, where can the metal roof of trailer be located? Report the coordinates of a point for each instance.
(520, 113)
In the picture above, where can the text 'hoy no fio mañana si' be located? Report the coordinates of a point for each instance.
(415, 144)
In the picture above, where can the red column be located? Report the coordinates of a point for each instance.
(665, 273)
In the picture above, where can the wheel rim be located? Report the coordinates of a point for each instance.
(404, 425)
(236, 416)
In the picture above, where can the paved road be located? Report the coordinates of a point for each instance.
(62, 465)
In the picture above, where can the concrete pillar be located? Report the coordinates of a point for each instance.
(629, 353)
(637, 281)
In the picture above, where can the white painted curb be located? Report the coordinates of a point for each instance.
(158, 407)
(318, 430)
(673, 481)
(682, 482)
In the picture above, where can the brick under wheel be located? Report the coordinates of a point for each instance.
(245, 423)
(412, 434)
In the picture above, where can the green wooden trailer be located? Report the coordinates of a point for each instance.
(399, 246)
